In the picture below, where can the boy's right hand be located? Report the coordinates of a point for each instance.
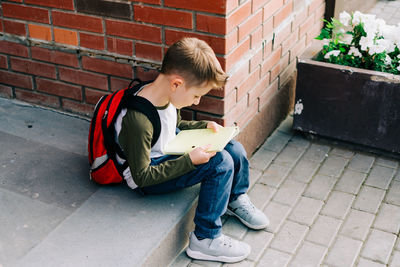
(200, 155)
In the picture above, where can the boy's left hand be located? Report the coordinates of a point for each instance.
(213, 126)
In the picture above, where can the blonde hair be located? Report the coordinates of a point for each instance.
(195, 61)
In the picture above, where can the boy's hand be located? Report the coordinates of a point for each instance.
(213, 126)
(200, 155)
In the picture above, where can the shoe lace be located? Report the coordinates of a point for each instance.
(246, 205)
(226, 240)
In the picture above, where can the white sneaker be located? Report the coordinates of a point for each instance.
(247, 213)
(222, 248)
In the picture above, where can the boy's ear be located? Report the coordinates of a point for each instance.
(175, 82)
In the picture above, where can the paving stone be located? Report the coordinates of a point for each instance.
(274, 258)
(304, 170)
(306, 210)
(368, 263)
(380, 177)
(199, 263)
(324, 230)
(290, 155)
(357, 224)
(388, 219)
(320, 187)
(393, 195)
(289, 192)
(262, 159)
(244, 263)
(254, 176)
(234, 228)
(361, 163)
(342, 152)
(397, 178)
(259, 241)
(379, 246)
(333, 166)
(338, 205)
(317, 153)
(286, 125)
(350, 182)
(274, 175)
(277, 214)
(181, 261)
(395, 260)
(391, 163)
(261, 194)
(299, 141)
(344, 252)
(309, 254)
(369, 199)
(277, 141)
(289, 237)
(398, 244)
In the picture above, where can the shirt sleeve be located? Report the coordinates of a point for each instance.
(135, 140)
(185, 125)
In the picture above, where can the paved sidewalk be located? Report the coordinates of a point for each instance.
(329, 205)
(387, 10)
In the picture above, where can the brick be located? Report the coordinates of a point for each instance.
(393, 195)
(277, 214)
(211, 24)
(283, 14)
(314, 5)
(83, 78)
(297, 49)
(236, 55)
(289, 192)
(357, 224)
(65, 36)
(174, 18)
(248, 83)
(25, 12)
(333, 166)
(368, 263)
(271, 61)
(258, 240)
(56, 57)
(281, 35)
(77, 107)
(13, 49)
(268, 94)
(309, 254)
(260, 195)
(306, 211)
(268, 28)
(93, 96)
(388, 219)
(155, 2)
(14, 27)
(234, 228)
(62, 4)
(249, 25)
(304, 170)
(290, 155)
(256, 37)
(217, 7)
(120, 46)
(106, 66)
(338, 205)
(238, 16)
(342, 152)
(257, 4)
(274, 258)
(320, 187)
(289, 237)
(350, 182)
(379, 246)
(3, 62)
(258, 90)
(255, 61)
(32, 67)
(324, 230)
(299, 18)
(146, 74)
(118, 83)
(254, 175)
(361, 163)
(59, 88)
(317, 153)
(280, 67)
(40, 32)
(271, 7)
(40, 99)
(274, 175)
(148, 51)
(380, 177)
(395, 261)
(344, 252)
(207, 117)
(306, 26)
(76, 21)
(133, 31)
(6, 91)
(250, 112)
(289, 42)
(232, 115)
(387, 162)
(210, 105)
(261, 159)
(216, 43)
(16, 79)
(369, 199)
(236, 78)
(91, 41)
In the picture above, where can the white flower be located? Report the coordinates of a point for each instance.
(345, 18)
(387, 45)
(326, 41)
(347, 38)
(355, 52)
(388, 60)
(359, 17)
(376, 49)
(366, 43)
(398, 56)
(398, 68)
(334, 53)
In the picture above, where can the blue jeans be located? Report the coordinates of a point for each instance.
(223, 179)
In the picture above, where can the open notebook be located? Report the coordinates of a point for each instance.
(187, 140)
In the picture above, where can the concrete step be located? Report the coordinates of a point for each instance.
(56, 217)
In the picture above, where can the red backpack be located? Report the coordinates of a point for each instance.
(102, 145)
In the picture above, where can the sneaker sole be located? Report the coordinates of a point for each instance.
(254, 227)
(201, 256)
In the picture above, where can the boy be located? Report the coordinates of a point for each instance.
(190, 70)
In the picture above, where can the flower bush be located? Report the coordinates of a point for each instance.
(362, 41)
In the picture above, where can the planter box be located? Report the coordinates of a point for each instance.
(346, 103)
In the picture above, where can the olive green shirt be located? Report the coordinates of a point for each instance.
(135, 140)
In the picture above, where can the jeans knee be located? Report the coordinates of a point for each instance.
(236, 149)
(224, 161)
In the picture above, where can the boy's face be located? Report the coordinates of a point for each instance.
(185, 97)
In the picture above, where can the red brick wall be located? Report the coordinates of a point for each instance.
(52, 55)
